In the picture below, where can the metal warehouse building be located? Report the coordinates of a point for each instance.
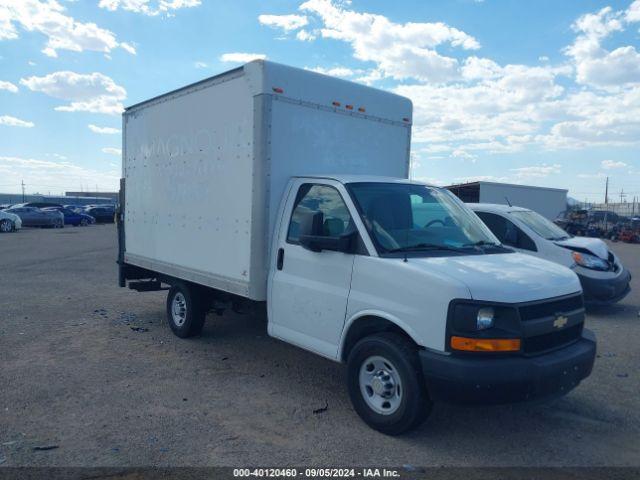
(549, 202)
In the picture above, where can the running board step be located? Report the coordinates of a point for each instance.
(147, 286)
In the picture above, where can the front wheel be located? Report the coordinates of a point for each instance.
(6, 226)
(386, 384)
(83, 222)
(185, 310)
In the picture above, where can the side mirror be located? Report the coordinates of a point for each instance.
(312, 235)
(317, 243)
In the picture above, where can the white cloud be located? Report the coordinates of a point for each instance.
(241, 57)
(305, 36)
(63, 32)
(285, 22)
(594, 64)
(112, 151)
(609, 164)
(543, 170)
(92, 92)
(127, 47)
(55, 176)
(10, 87)
(103, 130)
(633, 12)
(149, 7)
(399, 50)
(15, 122)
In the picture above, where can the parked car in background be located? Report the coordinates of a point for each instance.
(36, 217)
(9, 222)
(604, 279)
(72, 217)
(102, 214)
(38, 204)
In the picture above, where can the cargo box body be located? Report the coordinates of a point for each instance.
(205, 167)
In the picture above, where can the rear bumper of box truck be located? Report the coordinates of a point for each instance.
(470, 379)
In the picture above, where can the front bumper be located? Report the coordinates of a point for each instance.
(605, 291)
(470, 379)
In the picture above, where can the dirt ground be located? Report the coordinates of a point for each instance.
(93, 370)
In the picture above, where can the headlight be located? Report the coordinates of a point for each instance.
(484, 319)
(590, 261)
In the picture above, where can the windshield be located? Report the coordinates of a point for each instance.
(412, 217)
(543, 227)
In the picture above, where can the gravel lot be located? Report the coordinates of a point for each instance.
(76, 375)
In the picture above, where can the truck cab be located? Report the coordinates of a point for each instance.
(407, 286)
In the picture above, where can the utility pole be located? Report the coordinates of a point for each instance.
(622, 195)
(23, 200)
(606, 192)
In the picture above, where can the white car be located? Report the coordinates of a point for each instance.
(9, 222)
(603, 277)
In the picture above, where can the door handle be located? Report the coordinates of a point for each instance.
(280, 260)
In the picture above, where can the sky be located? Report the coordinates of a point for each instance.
(543, 92)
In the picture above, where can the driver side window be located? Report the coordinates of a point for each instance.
(320, 198)
(507, 232)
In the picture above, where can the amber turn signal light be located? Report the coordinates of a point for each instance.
(485, 344)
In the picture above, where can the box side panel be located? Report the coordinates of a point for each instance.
(309, 139)
(189, 172)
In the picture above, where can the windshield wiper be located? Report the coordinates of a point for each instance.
(424, 247)
(481, 243)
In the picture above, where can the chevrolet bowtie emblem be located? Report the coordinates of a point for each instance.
(560, 321)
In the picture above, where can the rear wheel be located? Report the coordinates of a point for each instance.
(185, 310)
(6, 225)
(83, 222)
(386, 384)
(58, 224)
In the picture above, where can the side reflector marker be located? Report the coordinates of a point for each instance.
(335, 104)
(349, 107)
(278, 90)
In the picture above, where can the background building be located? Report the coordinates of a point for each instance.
(549, 202)
(13, 198)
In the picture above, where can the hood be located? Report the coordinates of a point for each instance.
(509, 277)
(593, 245)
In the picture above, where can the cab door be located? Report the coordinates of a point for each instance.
(308, 291)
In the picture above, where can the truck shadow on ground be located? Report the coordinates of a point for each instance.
(310, 382)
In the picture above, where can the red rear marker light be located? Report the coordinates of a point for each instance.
(278, 90)
(335, 104)
(361, 109)
(349, 107)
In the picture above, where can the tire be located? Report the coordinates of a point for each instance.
(6, 225)
(398, 400)
(58, 224)
(83, 222)
(186, 310)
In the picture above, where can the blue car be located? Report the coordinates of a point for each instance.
(72, 217)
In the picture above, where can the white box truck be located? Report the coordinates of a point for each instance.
(273, 186)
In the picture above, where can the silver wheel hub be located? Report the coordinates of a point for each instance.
(5, 226)
(179, 309)
(380, 385)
